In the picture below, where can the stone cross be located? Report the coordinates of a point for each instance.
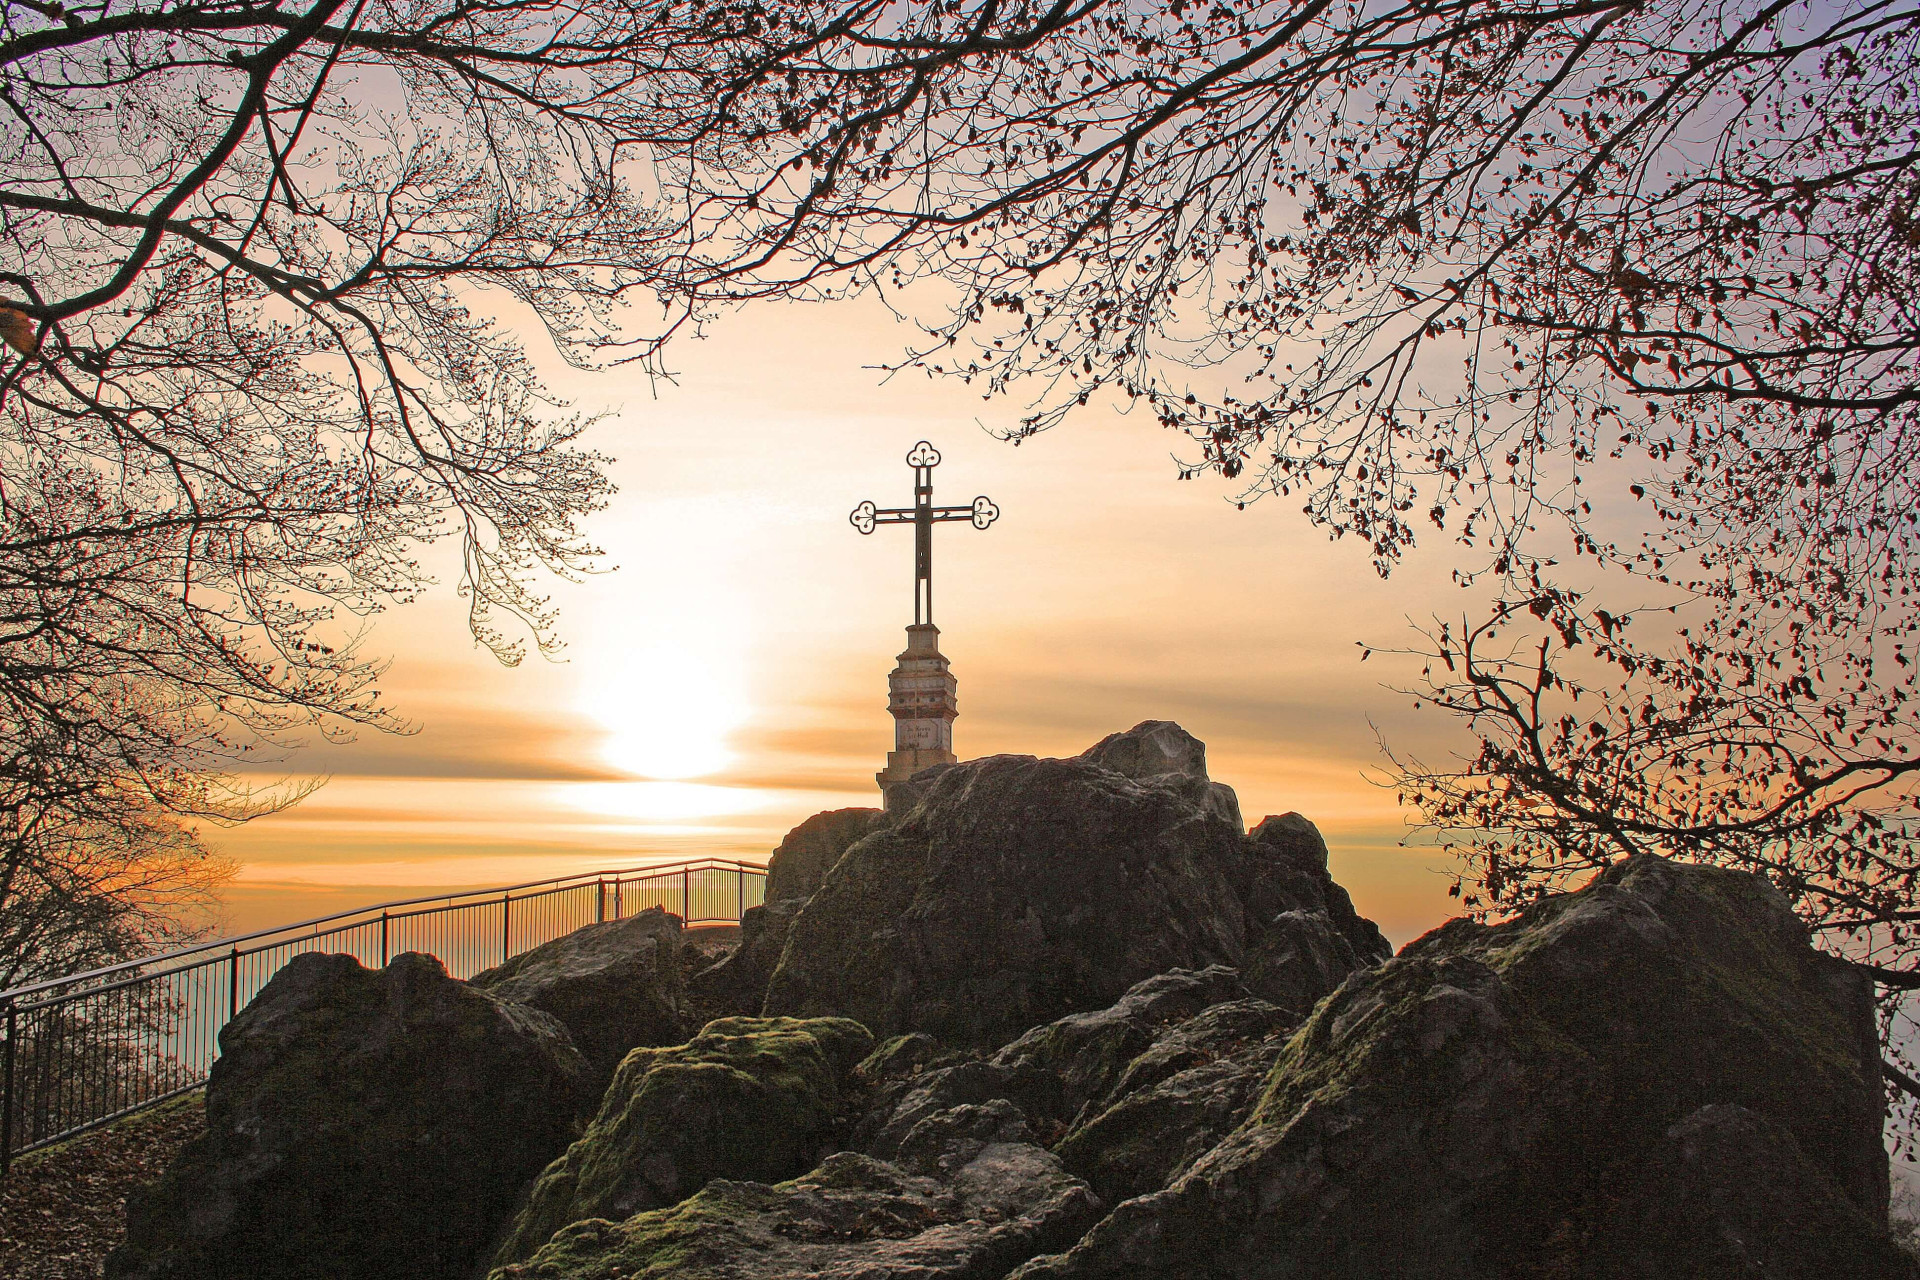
(921, 690)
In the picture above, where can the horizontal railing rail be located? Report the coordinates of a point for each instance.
(87, 1048)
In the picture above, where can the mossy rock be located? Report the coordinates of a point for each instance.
(747, 1098)
(974, 1199)
(1010, 891)
(899, 1056)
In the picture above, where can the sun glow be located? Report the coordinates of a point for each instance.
(669, 711)
(669, 662)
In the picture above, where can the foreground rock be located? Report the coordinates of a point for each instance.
(747, 1098)
(360, 1123)
(614, 986)
(1017, 890)
(1176, 1099)
(968, 1197)
(1656, 1076)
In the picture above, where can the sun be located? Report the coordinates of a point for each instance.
(670, 709)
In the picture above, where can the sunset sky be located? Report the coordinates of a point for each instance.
(728, 677)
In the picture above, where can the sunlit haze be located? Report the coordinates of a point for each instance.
(727, 676)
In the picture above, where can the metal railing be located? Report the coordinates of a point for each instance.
(85, 1049)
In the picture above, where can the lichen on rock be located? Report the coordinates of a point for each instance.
(1518, 1099)
(1017, 890)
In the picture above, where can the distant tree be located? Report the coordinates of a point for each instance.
(1620, 295)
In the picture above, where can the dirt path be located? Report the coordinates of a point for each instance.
(63, 1209)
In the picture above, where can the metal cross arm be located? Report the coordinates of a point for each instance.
(866, 517)
(923, 515)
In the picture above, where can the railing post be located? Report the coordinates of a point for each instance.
(600, 906)
(383, 939)
(686, 896)
(739, 891)
(506, 927)
(6, 1089)
(233, 984)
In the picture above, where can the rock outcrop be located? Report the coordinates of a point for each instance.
(796, 868)
(747, 1098)
(968, 1197)
(1125, 1096)
(1018, 890)
(614, 986)
(1654, 1076)
(372, 1124)
(1161, 751)
(1123, 1038)
(1194, 1084)
(737, 983)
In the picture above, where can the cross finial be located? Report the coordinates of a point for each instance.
(923, 515)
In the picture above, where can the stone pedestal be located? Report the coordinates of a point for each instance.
(921, 695)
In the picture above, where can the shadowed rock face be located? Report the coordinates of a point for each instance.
(360, 1123)
(809, 851)
(737, 983)
(1655, 1076)
(1018, 890)
(746, 1098)
(1129, 1093)
(967, 1197)
(614, 986)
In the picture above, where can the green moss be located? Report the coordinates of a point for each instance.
(688, 1241)
(748, 1098)
(1385, 1034)
(900, 1055)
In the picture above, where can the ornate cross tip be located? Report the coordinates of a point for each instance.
(923, 515)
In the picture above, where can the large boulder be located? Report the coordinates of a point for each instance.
(967, 1197)
(360, 1123)
(1018, 890)
(809, 851)
(1655, 1076)
(1191, 1087)
(737, 983)
(748, 1098)
(1161, 751)
(615, 986)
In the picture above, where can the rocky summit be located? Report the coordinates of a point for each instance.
(1015, 890)
(1052, 1019)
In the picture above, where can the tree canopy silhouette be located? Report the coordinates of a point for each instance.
(1619, 296)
